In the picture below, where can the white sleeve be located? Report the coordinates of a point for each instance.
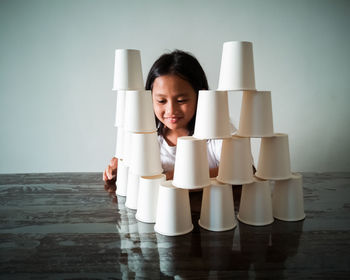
(214, 152)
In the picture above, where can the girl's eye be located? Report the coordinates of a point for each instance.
(182, 100)
(161, 101)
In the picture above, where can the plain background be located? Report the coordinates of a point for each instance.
(56, 70)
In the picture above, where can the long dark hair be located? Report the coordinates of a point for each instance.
(184, 65)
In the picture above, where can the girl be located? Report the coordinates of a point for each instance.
(175, 80)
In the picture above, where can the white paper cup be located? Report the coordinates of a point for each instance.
(288, 199)
(122, 178)
(145, 154)
(256, 204)
(236, 165)
(173, 211)
(120, 108)
(217, 211)
(274, 158)
(148, 198)
(212, 117)
(127, 148)
(139, 114)
(127, 70)
(119, 149)
(191, 169)
(237, 66)
(256, 114)
(132, 191)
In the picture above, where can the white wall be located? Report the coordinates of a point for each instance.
(56, 66)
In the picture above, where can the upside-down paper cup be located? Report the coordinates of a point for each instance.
(127, 70)
(236, 165)
(256, 115)
(132, 191)
(217, 211)
(148, 198)
(139, 116)
(288, 199)
(127, 148)
(119, 149)
(212, 117)
(191, 169)
(173, 210)
(145, 154)
(237, 66)
(120, 108)
(274, 158)
(256, 205)
(122, 178)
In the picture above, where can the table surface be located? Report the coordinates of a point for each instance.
(72, 226)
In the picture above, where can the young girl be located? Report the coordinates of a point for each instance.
(175, 80)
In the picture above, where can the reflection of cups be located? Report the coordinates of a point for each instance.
(237, 66)
(256, 114)
(139, 116)
(256, 205)
(119, 149)
(145, 154)
(127, 70)
(122, 178)
(148, 198)
(217, 212)
(236, 161)
(120, 109)
(173, 210)
(132, 191)
(288, 199)
(274, 159)
(191, 168)
(213, 119)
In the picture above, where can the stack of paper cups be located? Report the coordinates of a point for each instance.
(217, 211)
(256, 115)
(256, 204)
(236, 165)
(173, 211)
(237, 66)
(288, 199)
(191, 170)
(274, 159)
(212, 117)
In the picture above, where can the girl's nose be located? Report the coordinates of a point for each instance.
(172, 108)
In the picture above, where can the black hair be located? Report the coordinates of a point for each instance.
(183, 65)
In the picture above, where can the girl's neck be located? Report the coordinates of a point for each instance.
(171, 136)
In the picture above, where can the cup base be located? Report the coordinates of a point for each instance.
(273, 178)
(217, 229)
(236, 89)
(143, 220)
(236, 182)
(291, 219)
(255, 135)
(172, 233)
(192, 187)
(255, 223)
(131, 207)
(120, 193)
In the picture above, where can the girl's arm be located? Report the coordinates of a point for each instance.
(110, 172)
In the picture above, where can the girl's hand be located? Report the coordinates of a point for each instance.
(111, 171)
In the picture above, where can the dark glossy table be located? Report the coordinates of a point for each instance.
(71, 226)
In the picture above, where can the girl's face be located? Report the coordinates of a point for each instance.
(174, 101)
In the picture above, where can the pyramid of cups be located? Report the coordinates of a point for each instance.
(140, 177)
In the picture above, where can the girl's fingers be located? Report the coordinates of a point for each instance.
(110, 173)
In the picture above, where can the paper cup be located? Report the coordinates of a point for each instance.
(132, 191)
(217, 211)
(120, 109)
(237, 66)
(274, 159)
(256, 115)
(119, 149)
(256, 206)
(212, 117)
(122, 178)
(127, 148)
(145, 154)
(236, 164)
(288, 199)
(191, 169)
(148, 198)
(173, 211)
(139, 114)
(127, 70)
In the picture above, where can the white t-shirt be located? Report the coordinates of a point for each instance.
(168, 153)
